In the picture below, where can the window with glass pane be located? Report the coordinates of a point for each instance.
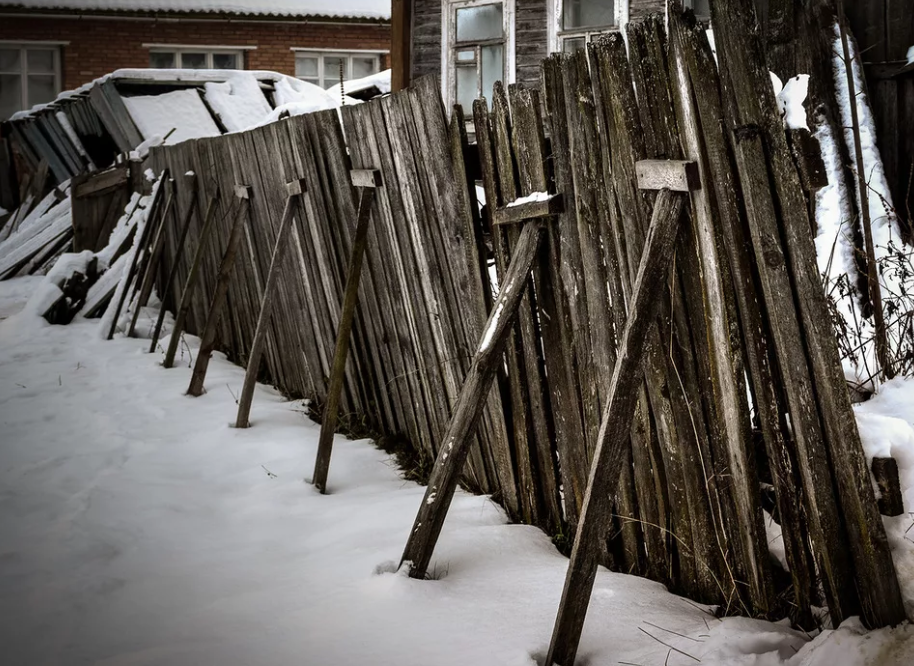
(225, 61)
(588, 13)
(476, 24)
(307, 69)
(29, 75)
(193, 60)
(10, 95)
(332, 74)
(161, 60)
(362, 67)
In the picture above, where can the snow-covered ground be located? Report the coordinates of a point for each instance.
(137, 527)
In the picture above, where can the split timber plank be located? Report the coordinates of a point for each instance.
(691, 48)
(617, 419)
(530, 150)
(389, 312)
(727, 383)
(266, 307)
(528, 210)
(523, 503)
(442, 222)
(189, 216)
(758, 132)
(455, 446)
(190, 282)
(208, 334)
(566, 250)
(152, 265)
(142, 241)
(530, 361)
(350, 301)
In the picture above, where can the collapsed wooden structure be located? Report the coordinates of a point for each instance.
(680, 497)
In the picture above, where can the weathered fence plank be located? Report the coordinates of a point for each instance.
(614, 429)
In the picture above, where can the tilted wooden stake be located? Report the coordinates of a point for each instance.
(141, 243)
(295, 190)
(187, 292)
(208, 336)
(470, 402)
(614, 430)
(152, 264)
(176, 260)
(350, 298)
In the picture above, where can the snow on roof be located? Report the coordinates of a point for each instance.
(337, 8)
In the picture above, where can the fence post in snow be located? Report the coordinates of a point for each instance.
(455, 445)
(208, 335)
(596, 514)
(366, 180)
(295, 189)
(187, 292)
(156, 256)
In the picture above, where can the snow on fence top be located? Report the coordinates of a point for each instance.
(378, 9)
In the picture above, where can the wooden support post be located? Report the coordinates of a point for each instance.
(140, 244)
(350, 299)
(295, 189)
(614, 430)
(885, 471)
(176, 260)
(187, 291)
(158, 247)
(208, 335)
(456, 443)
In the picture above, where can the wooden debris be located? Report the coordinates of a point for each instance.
(891, 501)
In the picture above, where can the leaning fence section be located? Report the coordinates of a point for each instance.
(742, 313)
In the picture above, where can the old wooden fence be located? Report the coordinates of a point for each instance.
(744, 300)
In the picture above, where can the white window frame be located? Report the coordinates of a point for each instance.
(557, 35)
(449, 50)
(208, 50)
(24, 46)
(348, 54)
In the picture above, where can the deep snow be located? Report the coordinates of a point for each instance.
(138, 527)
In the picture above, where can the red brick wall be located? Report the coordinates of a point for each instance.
(98, 46)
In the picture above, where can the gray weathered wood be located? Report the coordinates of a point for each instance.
(529, 210)
(675, 175)
(366, 177)
(141, 242)
(208, 334)
(344, 332)
(266, 311)
(891, 501)
(455, 445)
(614, 430)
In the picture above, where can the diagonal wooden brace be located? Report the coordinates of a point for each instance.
(295, 189)
(187, 292)
(220, 292)
(470, 403)
(614, 430)
(367, 180)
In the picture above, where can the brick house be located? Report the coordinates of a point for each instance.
(47, 46)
